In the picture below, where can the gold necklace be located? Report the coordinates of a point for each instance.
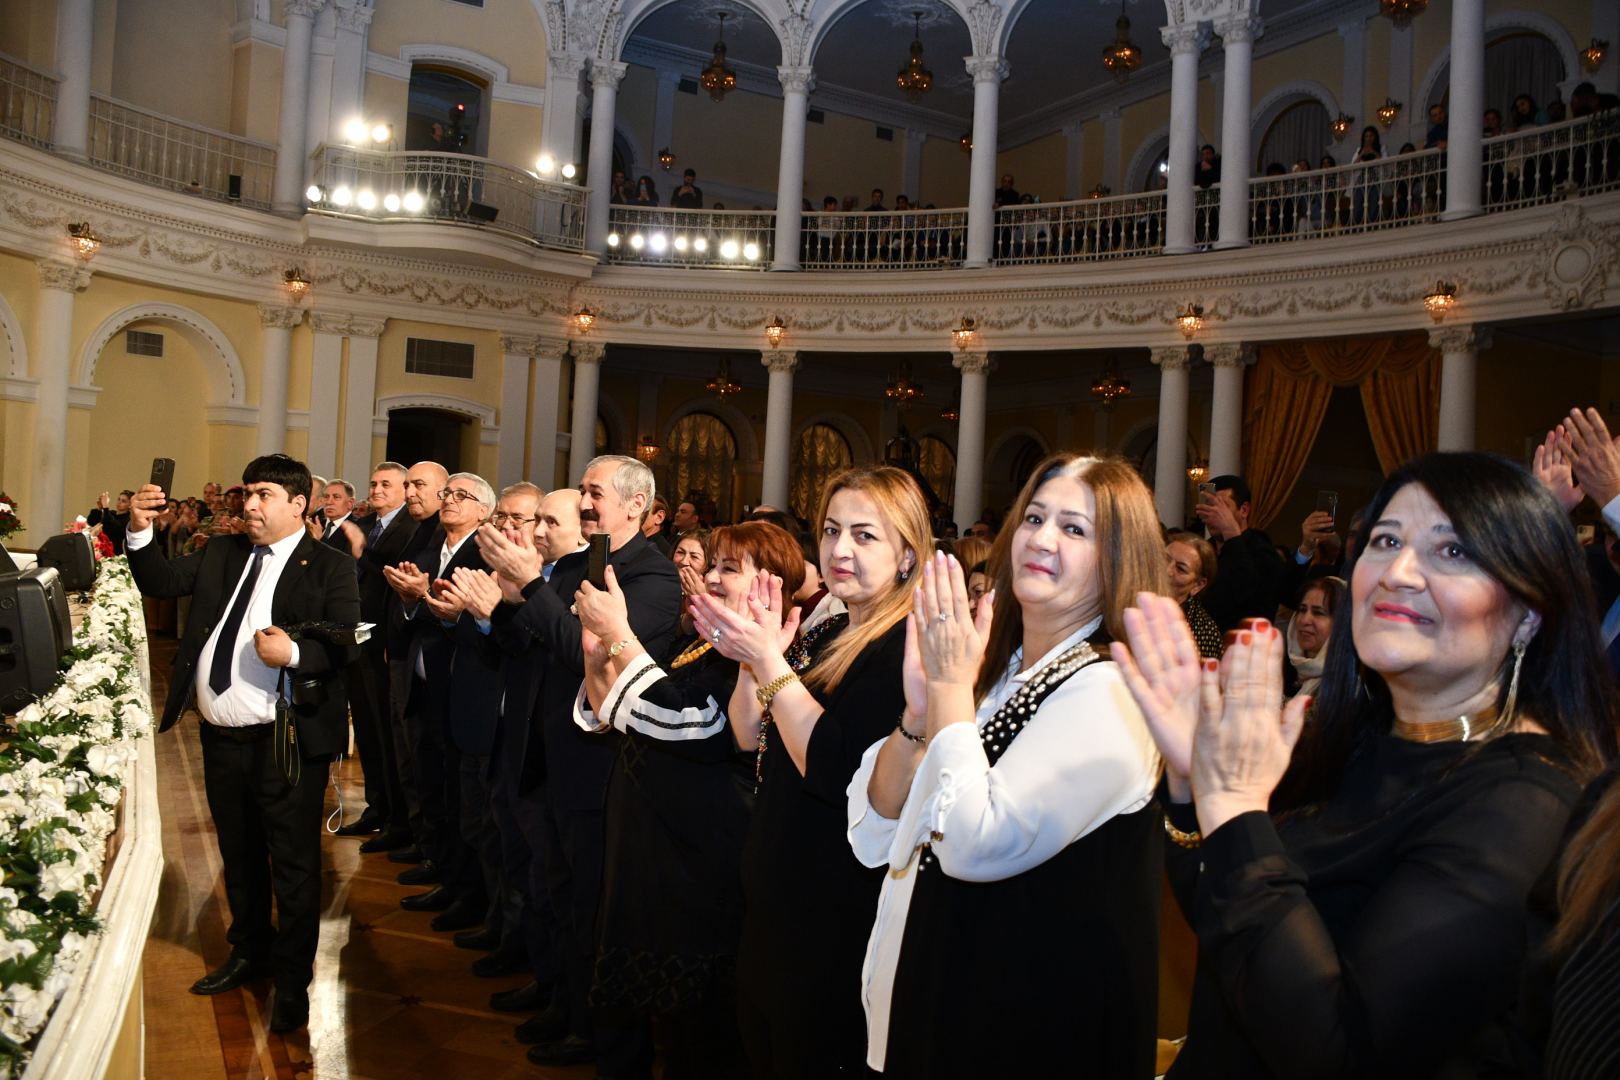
(691, 654)
(1463, 728)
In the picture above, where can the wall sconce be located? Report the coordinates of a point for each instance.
(774, 331)
(1191, 320)
(297, 284)
(647, 450)
(1441, 301)
(666, 158)
(1592, 55)
(1388, 111)
(584, 319)
(1198, 473)
(1101, 191)
(1341, 126)
(965, 332)
(85, 240)
(966, 142)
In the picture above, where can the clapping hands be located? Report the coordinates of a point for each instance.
(944, 640)
(763, 626)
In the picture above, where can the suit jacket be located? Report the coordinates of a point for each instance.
(336, 539)
(463, 686)
(397, 635)
(317, 584)
(1249, 583)
(387, 551)
(575, 764)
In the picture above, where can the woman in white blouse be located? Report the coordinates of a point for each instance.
(1017, 931)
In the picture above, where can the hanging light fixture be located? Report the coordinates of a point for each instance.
(721, 384)
(718, 78)
(1341, 125)
(1191, 320)
(1592, 55)
(965, 332)
(902, 388)
(297, 284)
(1388, 111)
(1101, 191)
(85, 240)
(951, 413)
(966, 142)
(1441, 301)
(1109, 387)
(584, 318)
(1199, 472)
(647, 450)
(1122, 56)
(774, 331)
(1402, 12)
(666, 158)
(914, 79)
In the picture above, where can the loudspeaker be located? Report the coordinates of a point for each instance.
(233, 189)
(72, 556)
(35, 630)
(482, 211)
(8, 565)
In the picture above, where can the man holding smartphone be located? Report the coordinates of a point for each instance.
(1249, 583)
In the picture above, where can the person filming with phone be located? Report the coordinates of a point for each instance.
(1249, 582)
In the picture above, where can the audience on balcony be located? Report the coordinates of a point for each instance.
(1435, 138)
(1207, 173)
(621, 192)
(646, 192)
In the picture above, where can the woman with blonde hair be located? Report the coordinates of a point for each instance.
(1012, 804)
(808, 709)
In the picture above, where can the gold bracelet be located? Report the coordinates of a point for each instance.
(768, 692)
(1179, 838)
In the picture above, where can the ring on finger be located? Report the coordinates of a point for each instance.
(944, 616)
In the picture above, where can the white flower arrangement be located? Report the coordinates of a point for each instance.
(60, 783)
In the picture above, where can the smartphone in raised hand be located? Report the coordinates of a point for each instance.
(163, 475)
(596, 566)
(1328, 503)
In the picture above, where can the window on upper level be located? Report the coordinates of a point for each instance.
(450, 359)
(448, 111)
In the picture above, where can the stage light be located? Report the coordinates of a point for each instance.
(413, 202)
(366, 200)
(342, 196)
(391, 203)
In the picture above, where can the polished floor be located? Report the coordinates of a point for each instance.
(391, 998)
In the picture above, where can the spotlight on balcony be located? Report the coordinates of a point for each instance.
(355, 131)
(680, 243)
(613, 240)
(700, 245)
(659, 243)
(413, 202)
(314, 193)
(342, 196)
(381, 133)
(569, 172)
(751, 252)
(637, 241)
(546, 165)
(391, 203)
(366, 199)
(729, 249)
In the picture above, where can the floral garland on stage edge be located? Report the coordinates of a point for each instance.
(60, 782)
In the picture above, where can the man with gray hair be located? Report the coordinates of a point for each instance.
(571, 788)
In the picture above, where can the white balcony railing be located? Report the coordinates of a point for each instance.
(670, 236)
(1362, 197)
(27, 102)
(170, 153)
(388, 185)
(1087, 229)
(884, 240)
(1543, 164)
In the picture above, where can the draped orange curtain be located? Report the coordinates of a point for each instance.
(1287, 397)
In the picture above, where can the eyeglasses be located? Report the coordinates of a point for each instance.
(498, 519)
(457, 494)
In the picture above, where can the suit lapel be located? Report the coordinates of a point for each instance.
(237, 551)
(297, 563)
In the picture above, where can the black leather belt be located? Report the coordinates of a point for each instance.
(251, 733)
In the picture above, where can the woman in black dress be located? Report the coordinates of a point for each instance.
(677, 808)
(1361, 901)
(1017, 930)
(809, 715)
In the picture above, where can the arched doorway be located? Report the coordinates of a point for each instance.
(420, 434)
(1301, 131)
(821, 454)
(698, 464)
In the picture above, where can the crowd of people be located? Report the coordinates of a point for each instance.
(874, 798)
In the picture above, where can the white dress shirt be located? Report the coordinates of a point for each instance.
(1085, 757)
(447, 551)
(251, 697)
(333, 526)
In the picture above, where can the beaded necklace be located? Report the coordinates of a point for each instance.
(691, 654)
(799, 657)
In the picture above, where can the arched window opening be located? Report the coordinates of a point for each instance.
(698, 464)
(937, 463)
(447, 111)
(1303, 130)
(822, 453)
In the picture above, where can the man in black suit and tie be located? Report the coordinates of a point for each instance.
(337, 517)
(234, 661)
(614, 495)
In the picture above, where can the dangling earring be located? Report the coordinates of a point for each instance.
(1511, 706)
(903, 576)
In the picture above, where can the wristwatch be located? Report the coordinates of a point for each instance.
(619, 646)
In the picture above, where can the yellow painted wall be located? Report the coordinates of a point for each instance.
(152, 35)
(28, 32)
(256, 91)
(1136, 122)
(387, 99)
(484, 387)
(1037, 167)
(103, 41)
(844, 156)
(706, 139)
(514, 134)
(944, 174)
(1091, 156)
(508, 32)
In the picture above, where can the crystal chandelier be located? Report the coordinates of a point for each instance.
(1123, 56)
(1388, 111)
(1341, 125)
(901, 388)
(721, 384)
(1402, 12)
(1109, 387)
(718, 79)
(915, 80)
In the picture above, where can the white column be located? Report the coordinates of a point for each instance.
(987, 72)
(1215, 75)
(663, 129)
(1113, 144)
(1074, 156)
(560, 122)
(514, 412)
(1170, 473)
(1353, 94)
(1226, 407)
(1237, 41)
(276, 322)
(543, 409)
(349, 79)
(605, 76)
(75, 23)
(1606, 27)
(587, 385)
(53, 360)
(1184, 43)
(1465, 110)
(360, 397)
(911, 165)
(325, 381)
(796, 85)
(968, 502)
(1459, 347)
(778, 425)
(291, 165)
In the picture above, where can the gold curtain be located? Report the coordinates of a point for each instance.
(822, 453)
(1287, 396)
(937, 463)
(699, 460)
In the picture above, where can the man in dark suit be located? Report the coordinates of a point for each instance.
(337, 511)
(614, 495)
(1250, 581)
(234, 661)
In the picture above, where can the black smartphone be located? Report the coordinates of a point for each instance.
(163, 474)
(596, 567)
(1328, 503)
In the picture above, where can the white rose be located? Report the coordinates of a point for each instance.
(59, 877)
(16, 949)
(103, 760)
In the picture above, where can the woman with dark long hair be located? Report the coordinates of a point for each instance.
(1360, 899)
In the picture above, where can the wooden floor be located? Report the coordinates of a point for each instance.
(391, 998)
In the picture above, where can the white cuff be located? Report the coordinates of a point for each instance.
(619, 690)
(294, 661)
(584, 718)
(871, 835)
(956, 753)
(134, 541)
(1611, 516)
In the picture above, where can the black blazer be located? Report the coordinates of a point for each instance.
(387, 551)
(576, 764)
(418, 545)
(317, 584)
(463, 687)
(336, 538)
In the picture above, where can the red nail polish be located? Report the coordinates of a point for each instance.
(1260, 624)
(1212, 665)
(1245, 637)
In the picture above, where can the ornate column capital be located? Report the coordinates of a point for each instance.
(519, 344)
(1171, 357)
(1184, 39)
(551, 349)
(337, 322)
(779, 360)
(797, 79)
(566, 65)
(63, 275)
(587, 352)
(1461, 338)
(1238, 29)
(987, 69)
(306, 8)
(279, 316)
(1352, 28)
(354, 19)
(972, 363)
(1233, 354)
(607, 73)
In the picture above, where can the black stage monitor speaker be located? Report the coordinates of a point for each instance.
(482, 211)
(35, 630)
(71, 556)
(8, 565)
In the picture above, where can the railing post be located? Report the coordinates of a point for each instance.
(1465, 111)
(605, 76)
(1184, 43)
(987, 72)
(1237, 42)
(294, 126)
(797, 82)
(75, 22)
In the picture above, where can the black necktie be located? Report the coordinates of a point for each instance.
(219, 674)
(376, 531)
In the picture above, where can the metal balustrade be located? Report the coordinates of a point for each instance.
(671, 236)
(884, 240)
(388, 185)
(1115, 227)
(1551, 162)
(1366, 196)
(27, 102)
(170, 153)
